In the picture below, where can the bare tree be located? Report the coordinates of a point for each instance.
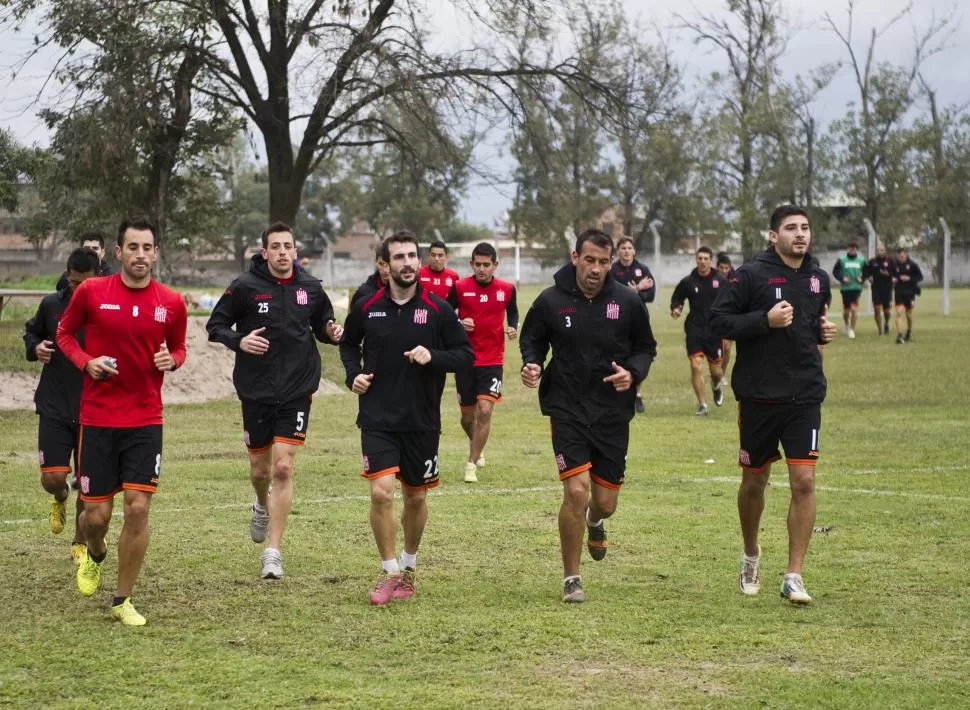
(885, 93)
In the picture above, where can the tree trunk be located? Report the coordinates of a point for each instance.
(810, 162)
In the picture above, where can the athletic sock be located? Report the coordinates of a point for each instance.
(571, 576)
(409, 560)
(259, 508)
(390, 566)
(97, 558)
(118, 601)
(590, 523)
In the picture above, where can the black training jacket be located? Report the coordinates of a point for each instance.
(403, 396)
(58, 394)
(700, 292)
(586, 336)
(635, 272)
(880, 270)
(909, 268)
(292, 313)
(367, 289)
(775, 364)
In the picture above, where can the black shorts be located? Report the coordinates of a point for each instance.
(600, 450)
(479, 383)
(905, 298)
(56, 445)
(111, 459)
(850, 298)
(763, 426)
(412, 456)
(706, 345)
(265, 424)
(882, 296)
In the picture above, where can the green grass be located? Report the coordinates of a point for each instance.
(36, 282)
(664, 624)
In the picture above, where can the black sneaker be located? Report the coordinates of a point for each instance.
(572, 591)
(718, 393)
(638, 407)
(596, 541)
(908, 336)
(899, 339)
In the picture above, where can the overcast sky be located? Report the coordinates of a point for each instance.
(810, 46)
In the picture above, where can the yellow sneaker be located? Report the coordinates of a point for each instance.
(58, 515)
(79, 551)
(88, 575)
(126, 614)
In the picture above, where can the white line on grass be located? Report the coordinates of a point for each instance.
(546, 489)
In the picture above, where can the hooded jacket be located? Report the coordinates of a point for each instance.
(775, 364)
(292, 314)
(586, 337)
(58, 394)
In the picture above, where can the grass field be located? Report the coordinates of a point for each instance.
(664, 624)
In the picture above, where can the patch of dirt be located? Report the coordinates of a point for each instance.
(206, 375)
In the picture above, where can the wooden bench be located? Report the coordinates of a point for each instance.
(6, 294)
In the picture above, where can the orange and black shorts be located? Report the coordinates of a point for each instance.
(483, 382)
(56, 445)
(763, 425)
(266, 423)
(601, 450)
(411, 456)
(111, 459)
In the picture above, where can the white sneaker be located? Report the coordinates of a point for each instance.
(481, 462)
(258, 525)
(749, 577)
(470, 476)
(793, 589)
(851, 334)
(845, 329)
(272, 562)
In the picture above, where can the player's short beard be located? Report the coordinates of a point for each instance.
(399, 280)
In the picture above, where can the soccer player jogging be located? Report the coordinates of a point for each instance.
(879, 270)
(602, 348)
(373, 283)
(93, 241)
(699, 288)
(436, 277)
(134, 332)
(725, 270)
(906, 277)
(627, 270)
(397, 347)
(277, 309)
(58, 398)
(483, 303)
(849, 271)
(776, 314)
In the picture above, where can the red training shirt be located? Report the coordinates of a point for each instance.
(437, 282)
(130, 325)
(487, 304)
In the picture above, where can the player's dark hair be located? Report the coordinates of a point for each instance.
(625, 240)
(91, 236)
(437, 244)
(275, 228)
(723, 258)
(485, 249)
(902, 250)
(853, 244)
(784, 212)
(84, 261)
(596, 237)
(141, 223)
(706, 250)
(402, 237)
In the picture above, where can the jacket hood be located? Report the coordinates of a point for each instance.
(770, 256)
(565, 279)
(260, 268)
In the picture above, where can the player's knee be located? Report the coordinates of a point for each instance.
(136, 508)
(283, 468)
(96, 519)
(414, 497)
(606, 508)
(381, 497)
(802, 484)
(576, 495)
(53, 482)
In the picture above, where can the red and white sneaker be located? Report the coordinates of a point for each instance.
(383, 591)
